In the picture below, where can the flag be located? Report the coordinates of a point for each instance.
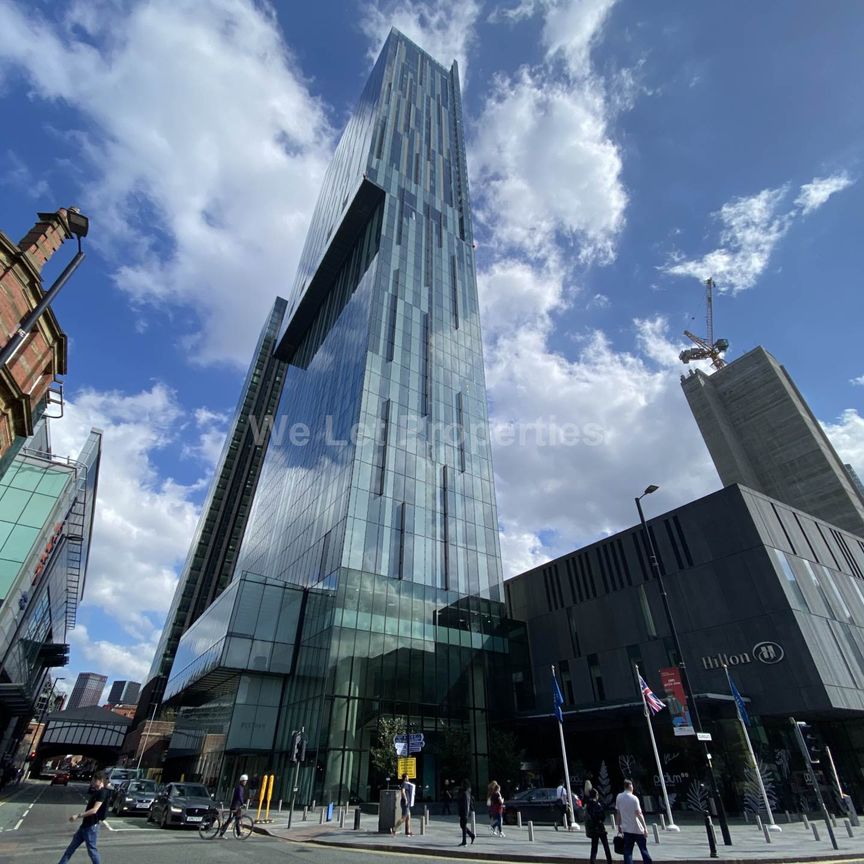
(739, 702)
(653, 703)
(557, 698)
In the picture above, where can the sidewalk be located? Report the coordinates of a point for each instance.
(794, 843)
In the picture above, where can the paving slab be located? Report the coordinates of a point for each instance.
(794, 842)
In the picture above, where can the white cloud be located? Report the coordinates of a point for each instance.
(545, 168)
(118, 662)
(204, 148)
(143, 522)
(814, 194)
(750, 229)
(847, 436)
(858, 382)
(445, 29)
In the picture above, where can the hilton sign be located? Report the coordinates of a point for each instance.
(764, 652)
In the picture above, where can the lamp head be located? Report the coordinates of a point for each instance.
(650, 489)
(79, 224)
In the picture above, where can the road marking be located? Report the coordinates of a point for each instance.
(18, 824)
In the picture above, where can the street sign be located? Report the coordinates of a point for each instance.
(408, 765)
(703, 736)
(416, 742)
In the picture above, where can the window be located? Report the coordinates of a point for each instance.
(567, 681)
(789, 573)
(597, 688)
(819, 589)
(646, 613)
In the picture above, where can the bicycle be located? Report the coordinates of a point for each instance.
(212, 824)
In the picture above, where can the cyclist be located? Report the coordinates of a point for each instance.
(238, 800)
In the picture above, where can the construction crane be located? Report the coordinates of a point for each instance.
(707, 348)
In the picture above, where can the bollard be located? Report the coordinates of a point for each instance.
(765, 832)
(815, 831)
(473, 822)
(758, 821)
(321, 820)
(280, 805)
(747, 816)
(422, 826)
(656, 832)
(788, 817)
(833, 820)
(530, 831)
(305, 813)
(848, 825)
(805, 820)
(357, 819)
(313, 803)
(518, 818)
(426, 813)
(662, 822)
(712, 840)
(342, 816)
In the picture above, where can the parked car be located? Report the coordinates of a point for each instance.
(60, 778)
(181, 804)
(135, 796)
(538, 805)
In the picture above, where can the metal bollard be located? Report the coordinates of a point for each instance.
(662, 822)
(313, 803)
(321, 820)
(473, 822)
(747, 816)
(788, 817)
(765, 832)
(305, 813)
(848, 825)
(833, 820)
(815, 831)
(656, 832)
(530, 831)
(805, 820)
(518, 818)
(280, 805)
(426, 813)
(712, 840)
(342, 816)
(758, 821)
(422, 825)
(357, 819)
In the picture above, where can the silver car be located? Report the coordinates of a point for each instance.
(135, 796)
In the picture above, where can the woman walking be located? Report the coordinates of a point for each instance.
(496, 809)
(465, 809)
(595, 826)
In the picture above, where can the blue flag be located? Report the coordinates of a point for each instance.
(742, 711)
(557, 698)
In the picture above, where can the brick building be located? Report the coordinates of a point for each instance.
(26, 380)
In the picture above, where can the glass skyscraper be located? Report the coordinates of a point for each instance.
(369, 580)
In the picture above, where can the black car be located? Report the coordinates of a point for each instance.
(538, 806)
(134, 796)
(181, 804)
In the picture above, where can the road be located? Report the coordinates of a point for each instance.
(34, 827)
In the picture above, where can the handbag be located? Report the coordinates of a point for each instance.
(618, 844)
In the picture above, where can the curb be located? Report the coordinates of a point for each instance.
(529, 858)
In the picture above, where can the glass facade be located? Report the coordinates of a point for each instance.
(376, 502)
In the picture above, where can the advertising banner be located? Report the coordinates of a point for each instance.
(676, 699)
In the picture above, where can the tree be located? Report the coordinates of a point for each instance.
(382, 752)
(454, 754)
(604, 785)
(505, 760)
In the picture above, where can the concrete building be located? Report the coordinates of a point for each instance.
(761, 433)
(87, 691)
(775, 593)
(28, 382)
(212, 556)
(368, 586)
(124, 693)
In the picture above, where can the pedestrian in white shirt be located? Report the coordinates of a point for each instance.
(631, 823)
(406, 802)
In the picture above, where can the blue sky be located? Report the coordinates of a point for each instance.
(618, 151)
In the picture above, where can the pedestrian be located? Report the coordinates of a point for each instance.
(466, 805)
(496, 808)
(631, 823)
(88, 832)
(406, 802)
(562, 800)
(587, 787)
(239, 797)
(595, 826)
(448, 798)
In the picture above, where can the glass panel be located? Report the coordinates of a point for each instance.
(789, 573)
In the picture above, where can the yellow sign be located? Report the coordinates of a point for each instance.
(408, 765)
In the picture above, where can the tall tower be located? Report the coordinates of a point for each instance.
(761, 433)
(213, 553)
(370, 572)
(87, 690)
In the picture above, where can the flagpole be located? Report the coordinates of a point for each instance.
(670, 823)
(772, 826)
(571, 816)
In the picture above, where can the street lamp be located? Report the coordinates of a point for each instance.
(78, 225)
(685, 678)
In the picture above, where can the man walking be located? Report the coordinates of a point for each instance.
(631, 823)
(563, 804)
(238, 800)
(406, 802)
(88, 832)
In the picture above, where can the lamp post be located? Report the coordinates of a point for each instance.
(685, 678)
(78, 225)
(42, 713)
(143, 741)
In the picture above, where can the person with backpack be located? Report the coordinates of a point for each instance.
(595, 826)
(465, 808)
(88, 832)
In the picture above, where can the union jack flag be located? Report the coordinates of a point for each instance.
(654, 704)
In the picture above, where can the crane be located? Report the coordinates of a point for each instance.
(707, 348)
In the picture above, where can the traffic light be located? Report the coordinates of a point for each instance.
(812, 743)
(298, 747)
